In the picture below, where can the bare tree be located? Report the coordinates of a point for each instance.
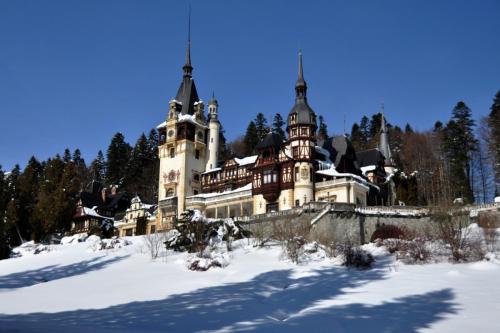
(154, 243)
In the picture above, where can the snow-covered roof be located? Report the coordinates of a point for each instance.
(214, 194)
(91, 212)
(191, 118)
(368, 168)
(334, 173)
(212, 170)
(497, 199)
(246, 160)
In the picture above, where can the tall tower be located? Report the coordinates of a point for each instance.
(213, 134)
(182, 148)
(301, 128)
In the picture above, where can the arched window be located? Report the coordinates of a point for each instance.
(170, 192)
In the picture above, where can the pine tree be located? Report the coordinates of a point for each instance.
(117, 156)
(459, 143)
(12, 209)
(98, 168)
(251, 139)
(365, 131)
(278, 124)
(408, 128)
(133, 178)
(66, 155)
(323, 129)
(66, 197)
(28, 185)
(494, 125)
(47, 213)
(374, 130)
(4, 241)
(261, 125)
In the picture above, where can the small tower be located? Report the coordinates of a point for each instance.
(301, 128)
(213, 133)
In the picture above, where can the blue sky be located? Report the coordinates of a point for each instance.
(72, 73)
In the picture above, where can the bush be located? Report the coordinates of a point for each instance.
(387, 231)
(355, 256)
(154, 243)
(413, 251)
(453, 228)
(193, 232)
(292, 235)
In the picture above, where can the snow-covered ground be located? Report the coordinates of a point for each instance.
(77, 288)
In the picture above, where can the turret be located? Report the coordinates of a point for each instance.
(213, 133)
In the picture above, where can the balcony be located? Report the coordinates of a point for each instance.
(168, 204)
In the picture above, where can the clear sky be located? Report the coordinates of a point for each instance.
(72, 73)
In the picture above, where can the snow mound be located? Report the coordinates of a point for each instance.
(76, 238)
(30, 248)
(212, 256)
(97, 244)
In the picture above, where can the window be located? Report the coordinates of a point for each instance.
(195, 192)
(303, 131)
(295, 152)
(297, 174)
(172, 152)
(196, 177)
(297, 203)
(170, 192)
(197, 154)
(270, 176)
(200, 136)
(294, 132)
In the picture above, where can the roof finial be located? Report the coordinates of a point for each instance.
(188, 69)
(301, 72)
(300, 85)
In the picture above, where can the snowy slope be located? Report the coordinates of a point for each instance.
(73, 288)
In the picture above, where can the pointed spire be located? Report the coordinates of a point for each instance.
(384, 146)
(300, 85)
(382, 126)
(212, 101)
(188, 69)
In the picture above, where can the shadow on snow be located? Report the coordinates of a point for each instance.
(54, 272)
(270, 302)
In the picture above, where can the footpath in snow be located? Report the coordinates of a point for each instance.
(78, 288)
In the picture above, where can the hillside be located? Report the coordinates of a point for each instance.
(74, 288)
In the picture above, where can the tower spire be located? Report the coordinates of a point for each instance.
(384, 146)
(188, 69)
(300, 85)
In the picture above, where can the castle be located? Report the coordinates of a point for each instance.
(284, 174)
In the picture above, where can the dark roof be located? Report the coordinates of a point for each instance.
(370, 157)
(342, 146)
(271, 140)
(90, 199)
(187, 95)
